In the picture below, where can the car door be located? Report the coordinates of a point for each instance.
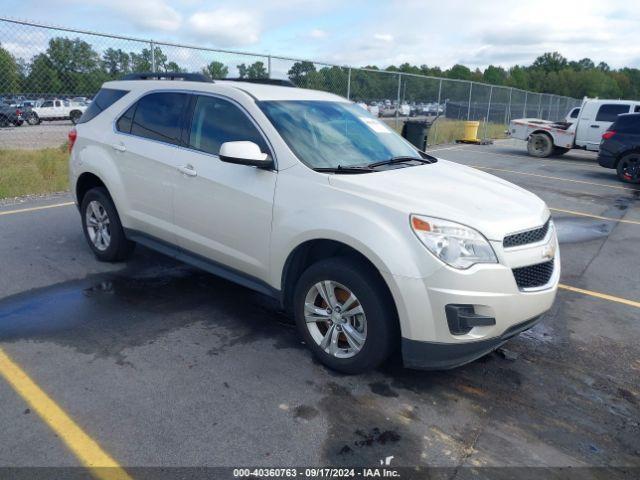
(146, 143)
(223, 211)
(595, 126)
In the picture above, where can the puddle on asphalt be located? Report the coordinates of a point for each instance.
(575, 230)
(105, 313)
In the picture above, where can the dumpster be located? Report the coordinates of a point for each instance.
(416, 131)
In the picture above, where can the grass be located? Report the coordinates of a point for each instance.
(29, 172)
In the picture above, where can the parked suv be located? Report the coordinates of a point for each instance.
(302, 195)
(620, 147)
(10, 115)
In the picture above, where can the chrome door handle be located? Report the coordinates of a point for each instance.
(188, 170)
(119, 147)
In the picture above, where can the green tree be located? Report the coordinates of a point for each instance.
(10, 75)
(116, 62)
(216, 70)
(494, 75)
(550, 62)
(254, 71)
(459, 71)
(43, 77)
(299, 72)
(143, 61)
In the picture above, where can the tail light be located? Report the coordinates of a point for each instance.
(18, 112)
(608, 134)
(73, 135)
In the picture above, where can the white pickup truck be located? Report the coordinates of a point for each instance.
(55, 109)
(545, 138)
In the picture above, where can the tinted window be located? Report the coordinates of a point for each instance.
(158, 116)
(609, 112)
(104, 99)
(627, 124)
(48, 103)
(216, 121)
(124, 122)
(575, 112)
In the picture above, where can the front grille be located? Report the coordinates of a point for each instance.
(524, 238)
(534, 275)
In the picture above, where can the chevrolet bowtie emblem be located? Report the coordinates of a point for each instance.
(549, 251)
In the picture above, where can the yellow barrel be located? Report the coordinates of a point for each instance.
(471, 131)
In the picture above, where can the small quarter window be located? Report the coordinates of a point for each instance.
(124, 122)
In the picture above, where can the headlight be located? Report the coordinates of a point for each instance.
(454, 244)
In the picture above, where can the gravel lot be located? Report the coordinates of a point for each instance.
(166, 366)
(34, 137)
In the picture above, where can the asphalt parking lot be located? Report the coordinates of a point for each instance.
(162, 365)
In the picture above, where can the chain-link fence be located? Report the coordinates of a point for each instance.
(40, 63)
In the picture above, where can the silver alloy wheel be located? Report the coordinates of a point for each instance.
(335, 319)
(98, 225)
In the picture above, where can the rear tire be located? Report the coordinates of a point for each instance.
(357, 328)
(540, 145)
(102, 228)
(4, 122)
(628, 168)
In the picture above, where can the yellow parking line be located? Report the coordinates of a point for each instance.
(600, 217)
(33, 209)
(99, 463)
(603, 296)
(619, 187)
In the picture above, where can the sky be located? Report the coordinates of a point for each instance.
(356, 32)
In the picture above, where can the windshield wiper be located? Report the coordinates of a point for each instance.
(347, 169)
(395, 160)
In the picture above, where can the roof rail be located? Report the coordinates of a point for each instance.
(189, 77)
(267, 81)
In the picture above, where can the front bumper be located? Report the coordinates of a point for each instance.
(494, 306)
(443, 356)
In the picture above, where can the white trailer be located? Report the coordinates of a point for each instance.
(545, 138)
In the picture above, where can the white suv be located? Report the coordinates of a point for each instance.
(303, 195)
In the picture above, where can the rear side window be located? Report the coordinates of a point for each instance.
(103, 100)
(216, 121)
(158, 116)
(627, 124)
(609, 112)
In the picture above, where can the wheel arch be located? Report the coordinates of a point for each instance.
(543, 132)
(619, 156)
(86, 181)
(312, 251)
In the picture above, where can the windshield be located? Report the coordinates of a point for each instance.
(330, 134)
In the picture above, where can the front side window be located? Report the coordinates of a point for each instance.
(216, 121)
(330, 134)
(609, 112)
(158, 116)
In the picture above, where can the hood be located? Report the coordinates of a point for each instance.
(453, 192)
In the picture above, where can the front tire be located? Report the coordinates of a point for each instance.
(345, 315)
(33, 119)
(540, 145)
(628, 168)
(102, 228)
